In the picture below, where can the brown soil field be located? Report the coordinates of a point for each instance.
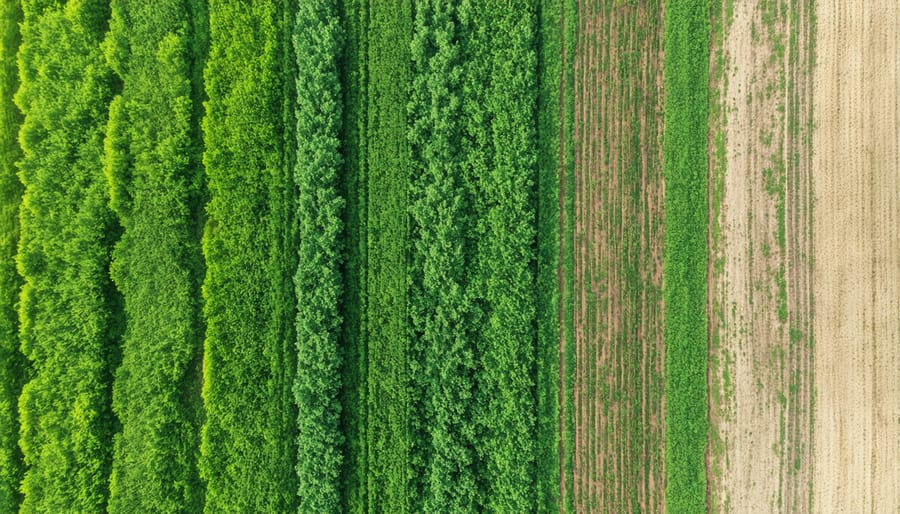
(760, 268)
(856, 277)
(618, 453)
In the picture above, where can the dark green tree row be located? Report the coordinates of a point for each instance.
(389, 445)
(318, 282)
(69, 310)
(153, 165)
(353, 185)
(12, 371)
(249, 444)
(441, 310)
(684, 253)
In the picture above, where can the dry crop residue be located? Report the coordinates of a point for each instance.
(760, 267)
(618, 453)
(856, 277)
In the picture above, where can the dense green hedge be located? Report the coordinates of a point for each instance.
(153, 164)
(69, 311)
(440, 304)
(684, 255)
(352, 181)
(389, 442)
(11, 361)
(500, 107)
(248, 448)
(317, 43)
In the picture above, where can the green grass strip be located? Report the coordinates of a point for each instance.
(685, 170)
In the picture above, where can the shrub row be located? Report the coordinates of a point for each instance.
(153, 165)
(69, 310)
(318, 282)
(11, 362)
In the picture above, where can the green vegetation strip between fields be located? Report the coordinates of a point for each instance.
(686, 37)
(440, 303)
(389, 440)
(12, 366)
(248, 447)
(69, 311)
(317, 43)
(156, 182)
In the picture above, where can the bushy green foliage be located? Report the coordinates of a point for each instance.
(153, 152)
(69, 311)
(500, 86)
(440, 304)
(317, 44)
(248, 448)
(684, 264)
(389, 443)
(11, 360)
(550, 125)
(352, 183)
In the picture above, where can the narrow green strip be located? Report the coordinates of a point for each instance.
(684, 268)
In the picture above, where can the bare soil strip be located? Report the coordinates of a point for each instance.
(760, 315)
(618, 454)
(856, 278)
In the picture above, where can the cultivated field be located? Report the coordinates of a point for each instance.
(760, 306)
(618, 258)
(453, 256)
(856, 273)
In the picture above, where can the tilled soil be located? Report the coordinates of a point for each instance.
(856, 277)
(618, 454)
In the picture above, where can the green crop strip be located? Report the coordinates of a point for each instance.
(69, 311)
(12, 367)
(686, 39)
(550, 125)
(441, 307)
(352, 183)
(317, 43)
(153, 166)
(389, 443)
(248, 448)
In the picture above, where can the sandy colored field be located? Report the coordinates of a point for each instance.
(618, 449)
(856, 278)
(760, 311)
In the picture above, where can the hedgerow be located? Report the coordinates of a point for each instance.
(69, 311)
(12, 372)
(440, 305)
(317, 44)
(153, 165)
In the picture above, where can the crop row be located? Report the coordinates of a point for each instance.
(70, 315)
